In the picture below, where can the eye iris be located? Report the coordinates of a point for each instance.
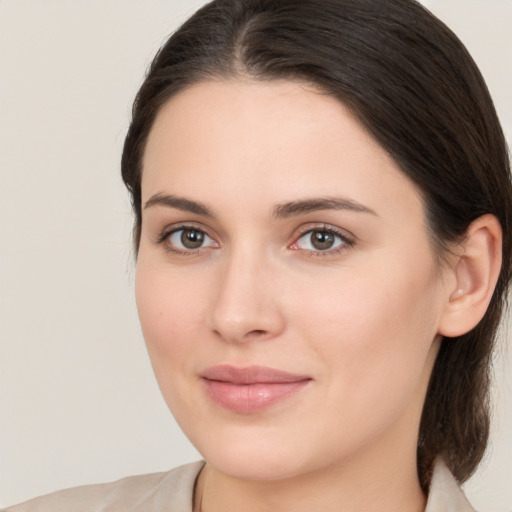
(322, 240)
(192, 239)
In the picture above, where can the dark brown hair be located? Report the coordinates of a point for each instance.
(412, 84)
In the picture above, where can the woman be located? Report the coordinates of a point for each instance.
(322, 208)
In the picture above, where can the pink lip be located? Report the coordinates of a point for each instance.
(252, 388)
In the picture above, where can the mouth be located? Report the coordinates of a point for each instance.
(251, 389)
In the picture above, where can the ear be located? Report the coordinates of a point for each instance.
(475, 272)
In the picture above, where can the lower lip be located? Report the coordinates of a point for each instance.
(250, 398)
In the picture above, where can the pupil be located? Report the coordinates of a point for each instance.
(322, 240)
(192, 239)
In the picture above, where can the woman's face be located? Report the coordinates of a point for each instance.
(286, 283)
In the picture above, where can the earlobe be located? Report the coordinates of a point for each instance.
(476, 273)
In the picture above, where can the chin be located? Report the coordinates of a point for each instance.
(256, 466)
(260, 453)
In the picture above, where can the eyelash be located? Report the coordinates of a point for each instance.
(347, 242)
(163, 239)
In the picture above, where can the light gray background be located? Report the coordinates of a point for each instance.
(78, 401)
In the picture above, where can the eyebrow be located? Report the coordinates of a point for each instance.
(290, 209)
(280, 211)
(180, 203)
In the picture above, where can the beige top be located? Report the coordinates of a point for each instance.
(173, 492)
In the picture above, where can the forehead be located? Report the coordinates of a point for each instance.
(266, 140)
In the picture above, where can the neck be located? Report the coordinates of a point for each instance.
(385, 486)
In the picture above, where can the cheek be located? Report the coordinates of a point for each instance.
(374, 331)
(171, 315)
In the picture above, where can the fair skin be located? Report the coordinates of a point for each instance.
(234, 276)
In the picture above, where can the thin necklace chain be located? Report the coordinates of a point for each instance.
(198, 505)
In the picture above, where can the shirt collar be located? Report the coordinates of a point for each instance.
(445, 495)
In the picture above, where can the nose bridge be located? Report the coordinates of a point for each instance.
(245, 306)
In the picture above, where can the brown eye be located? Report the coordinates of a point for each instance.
(192, 238)
(189, 239)
(321, 240)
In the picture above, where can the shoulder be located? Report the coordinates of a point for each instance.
(445, 494)
(170, 491)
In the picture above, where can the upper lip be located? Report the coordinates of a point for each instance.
(250, 375)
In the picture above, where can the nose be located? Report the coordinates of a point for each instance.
(246, 304)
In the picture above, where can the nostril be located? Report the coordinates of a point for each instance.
(256, 332)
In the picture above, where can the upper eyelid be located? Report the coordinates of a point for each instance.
(343, 233)
(172, 228)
